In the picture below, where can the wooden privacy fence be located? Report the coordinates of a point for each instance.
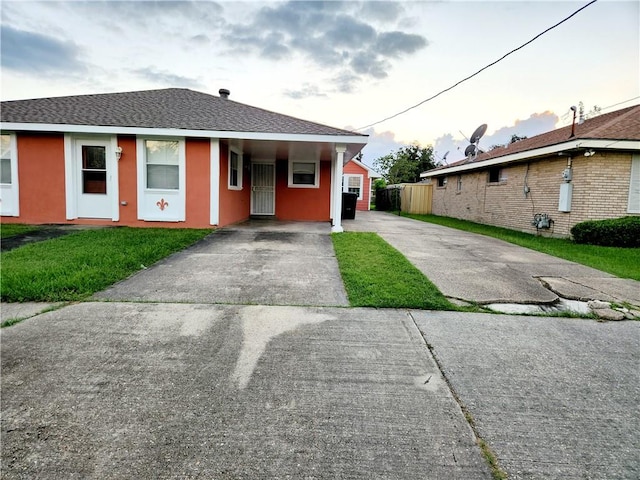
(416, 198)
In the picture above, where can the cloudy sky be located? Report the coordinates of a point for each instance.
(345, 64)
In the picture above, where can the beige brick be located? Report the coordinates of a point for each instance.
(600, 191)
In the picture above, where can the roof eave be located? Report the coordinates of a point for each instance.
(177, 132)
(573, 145)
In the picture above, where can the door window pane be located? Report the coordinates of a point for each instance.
(94, 158)
(94, 169)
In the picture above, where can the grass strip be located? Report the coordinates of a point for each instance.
(12, 229)
(79, 264)
(621, 262)
(376, 275)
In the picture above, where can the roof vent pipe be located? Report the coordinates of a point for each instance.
(224, 93)
(573, 123)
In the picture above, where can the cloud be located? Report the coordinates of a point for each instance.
(200, 39)
(152, 14)
(307, 90)
(379, 145)
(31, 52)
(381, 11)
(328, 34)
(395, 44)
(165, 78)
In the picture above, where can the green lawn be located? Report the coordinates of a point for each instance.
(79, 264)
(621, 262)
(12, 229)
(376, 275)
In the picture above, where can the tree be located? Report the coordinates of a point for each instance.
(514, 138)
(379, 183)
(406, 165)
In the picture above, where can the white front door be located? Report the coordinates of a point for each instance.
(263, 191)
(93, 185)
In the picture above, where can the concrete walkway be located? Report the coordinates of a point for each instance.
(481, 269)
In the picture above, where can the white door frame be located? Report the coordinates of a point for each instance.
(73, 180)
(273, 204)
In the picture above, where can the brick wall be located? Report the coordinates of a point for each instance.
(600, 190)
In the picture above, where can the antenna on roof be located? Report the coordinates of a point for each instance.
(472, 150)
(443, 158)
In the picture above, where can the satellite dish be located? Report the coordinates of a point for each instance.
(479, 132)
(471, 150)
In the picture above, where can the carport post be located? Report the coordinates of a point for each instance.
(337, 188)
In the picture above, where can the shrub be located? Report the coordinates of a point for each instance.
(617, 232)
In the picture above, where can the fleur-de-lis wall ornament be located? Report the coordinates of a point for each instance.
(162, 204)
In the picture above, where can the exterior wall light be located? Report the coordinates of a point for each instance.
(118, 153)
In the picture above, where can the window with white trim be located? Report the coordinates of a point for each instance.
(634, 185)
(163, 164)
(353, 184)
(5, 159)
(235, 170)
(304, 173)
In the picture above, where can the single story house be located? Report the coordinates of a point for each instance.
(546, 184)
(358, 179)
(170, 157)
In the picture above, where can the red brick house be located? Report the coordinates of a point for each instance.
(550, 182)
(358, 179)
(171, 157)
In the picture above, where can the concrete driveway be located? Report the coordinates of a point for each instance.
(138, 390)
(484, 270)
(258, 262)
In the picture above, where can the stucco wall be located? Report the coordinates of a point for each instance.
(600, 191)
(41, 179)
(305, 204)
(235, 205)
(352, 168)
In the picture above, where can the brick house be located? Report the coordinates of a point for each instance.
(170, 157)
(548, 183)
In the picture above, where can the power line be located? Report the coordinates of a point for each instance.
(479, 71)
(619, 103)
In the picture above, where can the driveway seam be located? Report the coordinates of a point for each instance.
(487, 453)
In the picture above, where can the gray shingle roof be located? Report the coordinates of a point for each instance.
(172, 108)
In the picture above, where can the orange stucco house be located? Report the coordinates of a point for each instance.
(357, 179)
(171, 157)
